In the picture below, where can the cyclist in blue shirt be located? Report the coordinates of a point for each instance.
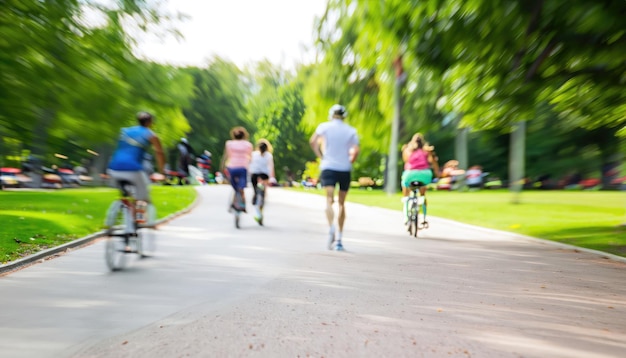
(127, 161)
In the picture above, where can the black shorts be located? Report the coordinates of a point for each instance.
(332, 177)
(256, 176)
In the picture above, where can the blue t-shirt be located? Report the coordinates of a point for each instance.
(131, 147)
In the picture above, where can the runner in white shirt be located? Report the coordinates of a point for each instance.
(340, 145)
(262, 174)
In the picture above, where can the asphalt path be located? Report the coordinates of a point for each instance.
(212, 290)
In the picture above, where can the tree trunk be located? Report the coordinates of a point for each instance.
(517, 160)
(391, 184)
(460, 148)
(99, 163)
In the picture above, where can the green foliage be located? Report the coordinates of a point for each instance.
(277, 108)
(216, 107)
(559, 63)
(64, 79)
(499, 59)
(312, 169)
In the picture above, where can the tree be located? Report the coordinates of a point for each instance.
(217, 105)
(281, 125)
(277, 107)
(65, 80)
(358, 69)
(497, 62)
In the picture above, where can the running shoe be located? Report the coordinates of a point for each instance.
(331, 238)
(339, 246)
(259, 219)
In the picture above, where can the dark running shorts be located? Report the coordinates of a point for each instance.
(255, 177)
(332, 177)
(238, 177)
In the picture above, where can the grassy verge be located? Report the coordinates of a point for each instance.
(36, 220)
(590, 219)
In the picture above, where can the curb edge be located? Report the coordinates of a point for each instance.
(61, 249)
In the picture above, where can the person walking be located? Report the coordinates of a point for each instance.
(262, 173)
(185, 159)
(340, 144)
(236, 160)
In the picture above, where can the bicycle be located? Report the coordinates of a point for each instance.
(126, 228)
(416, 204)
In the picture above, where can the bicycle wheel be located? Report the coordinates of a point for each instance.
(114, 220)
(145, 235)
(115, 256)
(139, 242)
(238, 199)
(114, 253)
(413, 217)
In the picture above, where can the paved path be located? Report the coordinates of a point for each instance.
(275, 291)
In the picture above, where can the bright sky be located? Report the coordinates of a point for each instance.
(242, 31)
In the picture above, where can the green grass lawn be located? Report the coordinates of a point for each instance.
(32, 221)
(589, 219)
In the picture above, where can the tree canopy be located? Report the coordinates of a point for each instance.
(498, 59)
(64, 79)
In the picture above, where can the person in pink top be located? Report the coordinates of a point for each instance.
(236, 159)
(420, 164)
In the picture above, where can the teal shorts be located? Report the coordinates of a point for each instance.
(423, 175)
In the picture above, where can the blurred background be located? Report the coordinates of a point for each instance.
(531, 91)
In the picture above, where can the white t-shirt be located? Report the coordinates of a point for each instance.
(261, 163)
(339, 138)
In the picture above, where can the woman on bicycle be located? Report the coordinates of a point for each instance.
(236, 159)
(262, 172)
(418, 159)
